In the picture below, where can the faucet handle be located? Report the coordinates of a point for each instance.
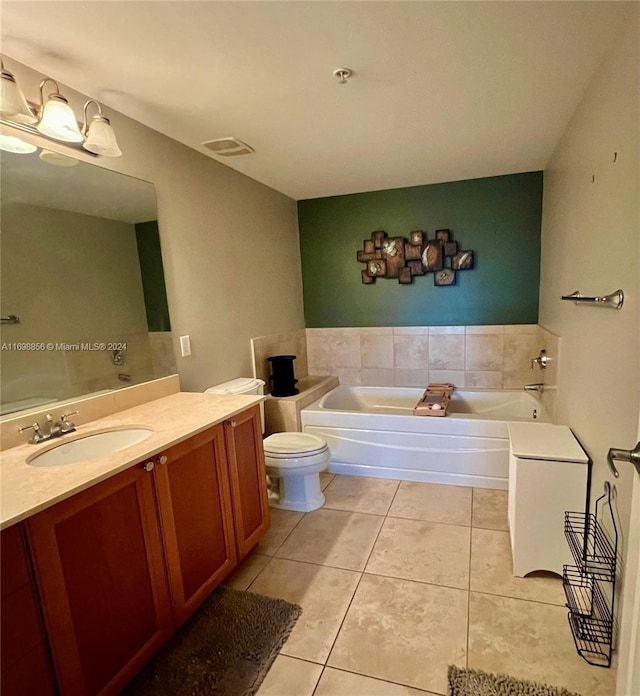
(38, 435)
(67, 426)
(541, 361)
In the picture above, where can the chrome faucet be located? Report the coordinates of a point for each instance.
(541, 361)
(55, 428)
(534, 387)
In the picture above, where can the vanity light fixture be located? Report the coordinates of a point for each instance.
(100, 138)
(52, 118)
(57, 119)
(13, 105)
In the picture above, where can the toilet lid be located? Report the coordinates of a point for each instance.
(293, 443)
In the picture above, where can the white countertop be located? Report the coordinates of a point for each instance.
(26, 489)
(545, 441)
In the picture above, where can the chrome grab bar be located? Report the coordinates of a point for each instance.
(613, 300)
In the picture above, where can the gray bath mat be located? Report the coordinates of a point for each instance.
(474, 682)
(225, 649)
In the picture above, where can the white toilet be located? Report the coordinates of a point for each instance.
(293, 460)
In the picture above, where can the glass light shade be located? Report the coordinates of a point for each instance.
(9, 143)
(101, 140)
(13, 105)
(58, 121)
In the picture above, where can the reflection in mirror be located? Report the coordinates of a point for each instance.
(81, 272)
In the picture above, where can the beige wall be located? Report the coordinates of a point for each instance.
(590, 242)
(229, 245)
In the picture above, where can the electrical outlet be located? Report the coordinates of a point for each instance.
(185, 346)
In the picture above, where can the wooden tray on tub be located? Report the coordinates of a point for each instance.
(435, 400)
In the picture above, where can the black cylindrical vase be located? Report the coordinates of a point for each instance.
(283, 382)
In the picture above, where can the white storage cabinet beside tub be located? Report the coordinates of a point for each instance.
(548, 475)
(371, 431)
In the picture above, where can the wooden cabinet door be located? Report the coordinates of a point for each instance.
(195, 514)
(243, 435)
(26, 665)
(100, 571)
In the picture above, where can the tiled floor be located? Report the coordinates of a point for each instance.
(397, 580)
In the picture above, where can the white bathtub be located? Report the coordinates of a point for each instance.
(372, 431)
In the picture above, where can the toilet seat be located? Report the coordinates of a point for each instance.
(293, 444)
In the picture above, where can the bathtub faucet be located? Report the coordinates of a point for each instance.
(534, 387)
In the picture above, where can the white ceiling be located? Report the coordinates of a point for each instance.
(441, 91)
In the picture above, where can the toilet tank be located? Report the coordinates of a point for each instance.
(241, 385)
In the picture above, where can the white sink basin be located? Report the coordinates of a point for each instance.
(90, 447)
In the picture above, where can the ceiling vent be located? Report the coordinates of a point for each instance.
(228, 147)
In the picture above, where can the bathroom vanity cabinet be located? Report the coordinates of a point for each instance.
(121, 565)
(99, 568)
(194, 503)
(243, 437)
(26, 667)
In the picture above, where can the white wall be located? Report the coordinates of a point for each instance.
(229, 244)
(590, 242)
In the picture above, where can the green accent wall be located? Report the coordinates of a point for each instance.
(153, 286)
(499, 218)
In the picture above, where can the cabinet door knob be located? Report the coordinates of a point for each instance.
(148, 466)
(232, 423)
(163, 459)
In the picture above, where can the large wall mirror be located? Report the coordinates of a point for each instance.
(83, 298)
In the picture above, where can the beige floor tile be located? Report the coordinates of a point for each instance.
(402, 631)
(529, 640)
(490, 509)
(282, 522)
(492, 571)
(361, 494)
(334, 538)
(325, 479)
(324, 595)
(433, 502)
(335, 682)
(425, 551)
(247, 572)
(290, 677)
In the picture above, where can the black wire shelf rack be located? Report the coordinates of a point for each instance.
(589, 586)
(589, 545)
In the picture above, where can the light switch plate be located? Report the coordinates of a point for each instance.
(185, 346)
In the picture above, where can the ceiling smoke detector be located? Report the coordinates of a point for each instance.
(228, 147)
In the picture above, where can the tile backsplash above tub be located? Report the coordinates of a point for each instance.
(482, 357)
(496, 357)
